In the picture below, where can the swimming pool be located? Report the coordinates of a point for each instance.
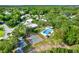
(47, 31)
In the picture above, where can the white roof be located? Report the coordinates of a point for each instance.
(22, 16)
(44, 20)
(32, 25)
(27, 15)
(29, 20)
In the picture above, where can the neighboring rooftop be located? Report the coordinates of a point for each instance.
(30, 24)
(33, 25)
(21, 43)
(25, 16)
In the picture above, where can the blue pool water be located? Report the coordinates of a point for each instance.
(47, 31)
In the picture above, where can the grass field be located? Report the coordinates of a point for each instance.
(1, 33)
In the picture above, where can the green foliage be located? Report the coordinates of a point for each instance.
(66, 29)
(1, 31)
(8, 45)
(60, 50)
(71, 36)
(75, 48)
(20, 30)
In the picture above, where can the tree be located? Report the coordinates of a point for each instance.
(20, 30)
(71, 35)
(60, 50)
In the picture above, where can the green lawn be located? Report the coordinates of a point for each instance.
(1, 33)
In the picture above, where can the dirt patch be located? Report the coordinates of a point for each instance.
(49, 45)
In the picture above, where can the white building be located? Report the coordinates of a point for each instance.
(32, 25)
(44, 20)
(22, 17)
(29, 23)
